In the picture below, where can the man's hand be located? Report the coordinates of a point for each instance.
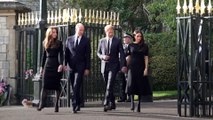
(60, 68)
(86, 72)
(124, 69)
(106, 57)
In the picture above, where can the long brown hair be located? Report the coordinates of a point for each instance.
(48, 40)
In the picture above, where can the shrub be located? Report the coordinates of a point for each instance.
(163, 72)
(162, 54)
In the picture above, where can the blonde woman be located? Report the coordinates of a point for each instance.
(51, 69)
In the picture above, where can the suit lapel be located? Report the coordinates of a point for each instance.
(80, 41)
(71, 43)
(105, 46)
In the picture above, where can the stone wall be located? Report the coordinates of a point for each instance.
(4, 41)
(7, 46)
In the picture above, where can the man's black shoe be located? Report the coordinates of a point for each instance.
(74, 109)
(113, 106)
(106, 108)
(78, 108)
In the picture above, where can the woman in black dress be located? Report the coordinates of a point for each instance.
(51, 69)
(137, 68)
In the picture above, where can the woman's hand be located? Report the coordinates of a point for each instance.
(145, 73)
(65, 68)
(86, 72)
(60, 68)
(41, 71)
(128, 60)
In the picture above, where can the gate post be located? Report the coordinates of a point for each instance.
(42, 28)
(194, 68)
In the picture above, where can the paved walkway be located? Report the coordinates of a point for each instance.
(157, 110)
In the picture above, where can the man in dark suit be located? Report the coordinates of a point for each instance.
(77, 55)
(110, 49)
(126, 41)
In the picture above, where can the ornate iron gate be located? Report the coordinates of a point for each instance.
(194, 75)
(65, 20)
(27, 61)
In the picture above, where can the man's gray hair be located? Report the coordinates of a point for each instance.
(78, 25)
(107, 27)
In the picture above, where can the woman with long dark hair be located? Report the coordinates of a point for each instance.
(52, 67)
(138, 66)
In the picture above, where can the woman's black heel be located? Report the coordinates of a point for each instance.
(56, 108)
(139, 104)
(57, 98)
(42, 100)
(132, 103)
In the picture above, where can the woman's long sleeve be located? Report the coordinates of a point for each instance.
(44, 56)
(61, 54)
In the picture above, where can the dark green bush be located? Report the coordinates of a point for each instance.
(162, 54)
(163, 72)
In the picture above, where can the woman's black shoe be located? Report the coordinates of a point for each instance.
(138, 109)
(132, 108)
(56, 109)
(39, 108)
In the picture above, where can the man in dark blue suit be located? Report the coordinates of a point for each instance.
(126, 41)
(77, 55)
(111, 53)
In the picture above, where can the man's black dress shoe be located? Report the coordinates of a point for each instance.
(78, 108)
(113, 106)
(106, 108)
(74, 110)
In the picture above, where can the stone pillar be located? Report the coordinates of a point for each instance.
(8, 44)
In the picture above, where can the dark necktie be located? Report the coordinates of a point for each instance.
(76, 43)
(108, 47)
(125, 48)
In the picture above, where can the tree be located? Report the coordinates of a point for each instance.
(162, 15)
(161, 37)
(132, 13)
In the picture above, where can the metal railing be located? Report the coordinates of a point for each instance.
(194, 46)
(27, 30)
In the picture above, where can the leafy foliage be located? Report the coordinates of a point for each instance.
(162, 15)
(164, 72)
(162, 60)
(132, 14)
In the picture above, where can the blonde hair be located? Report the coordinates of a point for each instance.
(47, 43)
(107, 27)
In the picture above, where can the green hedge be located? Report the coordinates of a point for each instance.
(162, 50)
(164, 72)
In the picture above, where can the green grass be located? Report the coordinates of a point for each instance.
(157, 95)
(164, 94)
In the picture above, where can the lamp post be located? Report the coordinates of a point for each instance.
(41, 34)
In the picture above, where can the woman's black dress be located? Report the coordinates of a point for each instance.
(136, 84)
(52, 58)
